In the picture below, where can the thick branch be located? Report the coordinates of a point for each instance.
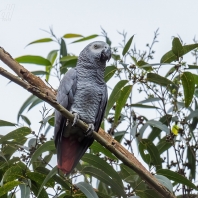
(105, 139)
(24, 73)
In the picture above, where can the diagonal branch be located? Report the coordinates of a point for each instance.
(42, 91)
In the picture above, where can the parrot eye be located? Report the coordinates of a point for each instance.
(95, 46)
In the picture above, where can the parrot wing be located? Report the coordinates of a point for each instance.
(69, 152)
(65, 97)
(79, 148)
(101, 110)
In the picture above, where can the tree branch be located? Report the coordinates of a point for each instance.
(37, 87)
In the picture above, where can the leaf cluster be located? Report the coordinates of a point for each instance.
(167, 144)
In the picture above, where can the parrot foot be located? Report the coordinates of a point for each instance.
(90, 130)
(76, 118)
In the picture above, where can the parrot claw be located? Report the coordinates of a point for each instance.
(76, 117)
(90, 130)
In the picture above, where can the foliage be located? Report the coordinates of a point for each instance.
(165, 139)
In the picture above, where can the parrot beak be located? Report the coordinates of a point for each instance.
(106, 55)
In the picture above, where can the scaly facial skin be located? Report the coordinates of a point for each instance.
(95, 55)
(101, 49)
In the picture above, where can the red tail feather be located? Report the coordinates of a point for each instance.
(69, 150)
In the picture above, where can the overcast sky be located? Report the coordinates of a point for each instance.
(21, 22)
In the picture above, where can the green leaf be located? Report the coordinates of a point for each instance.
(176, 177)
(143, 152)
(195, 78)
(146, 66)
(191, 161)
(127, 46)
(25, 105)
(26, 120)
(192, 114)
(39, 178)
(35, 102)
(188, 83)
(115, 95)
(188, 48)
(25, 190)
(144, 106)
(109, 72)
(63, 183)
(9, 162)
(67, 64)
(149, 100)
(127, 174)
(50, 174)
(68, 58)
(142, 63)
(8, 151)
(43, 40)
(104, 188)
(147, 193)
(172, 69)
(118, 136)
(102, 165)
(51, 121)
(65, 195)
(103, 177)
(121, 101)
(177, 47)
(116, 57)
(192, 67)
(71, 35)
(51, 57)
(165, 182)
(47, 146)
(14, 172)
(35, 187)
(159, 125)
(163, 145)
(154, 153)
(46, 120)
(87, 189)
(6, 123)
(155, 78)
(63, 48)
(86, 38)
(2, 155)
(8, 186)
(16, 135)
(46, 159)
(97, 147)
(168, 57)
(102, 195)
(156, 131)
(152, 64)
(38, 60)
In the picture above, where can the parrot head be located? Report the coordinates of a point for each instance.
(98, 52)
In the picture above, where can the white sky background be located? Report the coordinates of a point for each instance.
(142, 18)
(20, 23)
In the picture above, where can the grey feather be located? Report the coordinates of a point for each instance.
(83, 91)
(65, 97)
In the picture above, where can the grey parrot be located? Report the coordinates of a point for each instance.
(83, 92)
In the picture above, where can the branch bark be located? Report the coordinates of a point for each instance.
(37, 87)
